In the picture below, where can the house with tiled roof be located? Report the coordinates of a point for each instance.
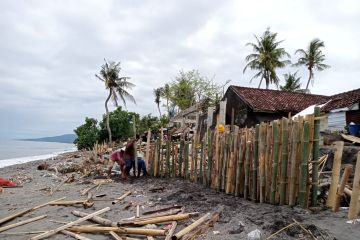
(342, 109)
(251, 106)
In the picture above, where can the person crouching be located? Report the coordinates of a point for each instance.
(118, 157)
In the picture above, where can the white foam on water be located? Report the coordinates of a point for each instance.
(13, 161)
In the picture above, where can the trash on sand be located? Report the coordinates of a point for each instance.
(6, 183)
(355, 221)
(254, 235)
(216, 232)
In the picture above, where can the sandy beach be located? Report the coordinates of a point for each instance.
(238, 216)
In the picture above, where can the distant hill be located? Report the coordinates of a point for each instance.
(66, 138)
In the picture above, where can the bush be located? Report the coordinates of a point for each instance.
(87, 134)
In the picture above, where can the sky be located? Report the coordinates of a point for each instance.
(51, 50)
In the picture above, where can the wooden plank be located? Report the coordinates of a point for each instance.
(354, 202)
(339, 145)
(340, 192)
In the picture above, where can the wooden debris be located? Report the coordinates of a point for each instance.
(96, 219)
(171, 231)
(23, 212)
(87, 203)
(350, 138)
(192, 226)
(161, 209)
(121, 197)
(2, 229)
(60, 185)
(85, 191)
(121, 230)
(155, 220)
(157, 189)
(201, 229)
(354, 203)
(284, 228)
(54, 231)
(341, 188)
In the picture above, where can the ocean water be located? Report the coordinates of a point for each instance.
(15, 152)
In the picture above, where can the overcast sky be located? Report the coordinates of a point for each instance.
(50, 51)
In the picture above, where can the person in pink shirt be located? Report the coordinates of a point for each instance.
(118, 157)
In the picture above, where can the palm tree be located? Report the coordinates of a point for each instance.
(117, 86)
(267, 56)
(292, 83)
(312, 58)
(166, 93)
(157, 94)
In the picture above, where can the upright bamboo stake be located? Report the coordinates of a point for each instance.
(201, 163)
(275, 129)
(304, 166)
(315, 154)
(186, 159)
(147, 159)
(354, 202)
(293, 170)
(195, 160)
(162, 171)
(54, 231)
(247, 170)
(340, 192)
(255, 162)
(223, 158)
(167, 172)
(262, 150)
(217, 161)
(284, 159)
(210, 157)
(339, 145)
(172, 169)
(268, 162)
(181, 157)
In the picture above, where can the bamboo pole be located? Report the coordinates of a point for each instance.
(304, 166)
(247, 170)
(262, 161)
(171, 231)
(74, 235)
(339, 145)
(201, 169)
(169, 218)
(157, 157)
(340, 192)
(167, 172)
(23, 212)
(195, 160)
(293, 170)
(5, 228)
(147, 152)
(60, 185)
(121, 197)
(181, 154)
(255, 162)
(120, 230)
(186, 159)
(172, 169)
(354, 202)
(54, 231)
(96, 219)
(189, 228)
(284, 159)
(315, 154)
(229, 178)
(161, 173)
(275, 129)
(210, 157)
(222, 164)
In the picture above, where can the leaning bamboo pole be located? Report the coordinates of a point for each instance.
(304, 166)
(293, 170)
(354, 202)
(339, 145)
(315, 156)
(255, 162)
(247, 170)
(284, 159)
(275, 129)
(340, 191)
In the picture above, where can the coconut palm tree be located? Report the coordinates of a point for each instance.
(116, 85)
(267, 56)
(157, 94)
(312, 58)
(292, 83)
(166, 93)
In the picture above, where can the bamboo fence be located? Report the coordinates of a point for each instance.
(270, 163)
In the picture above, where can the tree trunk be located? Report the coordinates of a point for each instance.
(167, 106)
(260, 82)
(308, 82)
(159, 110)
(108, 117)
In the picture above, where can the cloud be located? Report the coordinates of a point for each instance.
(50, 51)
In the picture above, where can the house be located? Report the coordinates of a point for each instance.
(342, 109)
(253, 105)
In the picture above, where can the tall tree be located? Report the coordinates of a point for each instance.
(292, 83)
(312, 58)
(166, 93)
(157, 94)
(116, 85)
(267, 56)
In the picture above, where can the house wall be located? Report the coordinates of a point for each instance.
(336, 120)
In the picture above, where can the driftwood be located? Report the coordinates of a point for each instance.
(74, 235)
(161, 210)
(60, 185)
(201, 229)
(192, 226)
(85, 191)
(54, 231)
(87, 203)
(121, 197)
(2, 229)
(23, 212)
(121, 230)
(171, 231)
(96, 219)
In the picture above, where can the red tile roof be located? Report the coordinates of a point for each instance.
(266, 100)
(342, 100)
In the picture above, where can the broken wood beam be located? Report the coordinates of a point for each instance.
(54, 231)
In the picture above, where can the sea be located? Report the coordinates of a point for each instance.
(16, 151)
